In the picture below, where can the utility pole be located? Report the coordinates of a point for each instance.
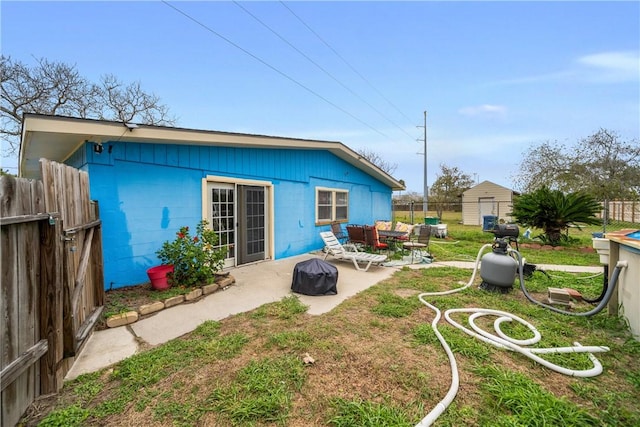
(425, 204)
(426, 186)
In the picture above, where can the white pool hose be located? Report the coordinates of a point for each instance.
(455, 379)
(469, 283)
(500, 340)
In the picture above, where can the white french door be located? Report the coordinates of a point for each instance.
(238, 214)
(222, 217)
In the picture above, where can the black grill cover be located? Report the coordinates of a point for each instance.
(315, 277)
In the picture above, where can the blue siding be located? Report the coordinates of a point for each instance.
(146, 192)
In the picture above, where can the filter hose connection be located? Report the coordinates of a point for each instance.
(597, 309)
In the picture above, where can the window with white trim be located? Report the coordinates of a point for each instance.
(332, 204)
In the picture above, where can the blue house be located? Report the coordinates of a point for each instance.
(267, 197)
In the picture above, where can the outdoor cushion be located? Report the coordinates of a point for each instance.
(383, 225)
(401, 226)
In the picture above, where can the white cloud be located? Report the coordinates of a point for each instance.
(601, 67)
(485, 110)
(559, 75)
(611, 66)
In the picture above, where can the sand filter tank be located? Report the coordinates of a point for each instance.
(498, 269)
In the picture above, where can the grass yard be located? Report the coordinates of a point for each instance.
(377, 361)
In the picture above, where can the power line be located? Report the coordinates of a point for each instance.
(320, 67)
(282, 73)
(347, 63)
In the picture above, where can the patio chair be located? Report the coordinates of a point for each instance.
(334, 248)
(356, 234)
(336, 229)
(373, 240)
(421, 243)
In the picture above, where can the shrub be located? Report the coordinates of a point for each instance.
(554, 212)
(195, 259)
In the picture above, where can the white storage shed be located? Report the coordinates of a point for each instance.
(487, 199)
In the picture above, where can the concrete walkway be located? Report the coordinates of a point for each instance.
(256, 285)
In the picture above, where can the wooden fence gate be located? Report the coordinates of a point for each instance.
(51, 281)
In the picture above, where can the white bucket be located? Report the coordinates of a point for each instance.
(440, 230)
(601, 245)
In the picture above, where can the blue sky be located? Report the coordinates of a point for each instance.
(494, 77)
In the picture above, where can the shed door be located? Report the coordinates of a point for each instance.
(486, 206)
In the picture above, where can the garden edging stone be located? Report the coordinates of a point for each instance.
(133, 316)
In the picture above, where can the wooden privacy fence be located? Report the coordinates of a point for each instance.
(622, 210)
(52, 286)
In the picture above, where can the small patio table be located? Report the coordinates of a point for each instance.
(394, 236)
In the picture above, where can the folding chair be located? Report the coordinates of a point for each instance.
(421, 243)
(336, 229)
(356, 234)
(373, 240)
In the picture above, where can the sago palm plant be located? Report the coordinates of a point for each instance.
(554, 212)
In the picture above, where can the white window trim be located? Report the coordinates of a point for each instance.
(333, 204)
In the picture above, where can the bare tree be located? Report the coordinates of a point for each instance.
(602, 165)
(127, 103)
(378, 160)
(56, 88)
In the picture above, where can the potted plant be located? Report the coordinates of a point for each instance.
(195, 260)
(159, 276)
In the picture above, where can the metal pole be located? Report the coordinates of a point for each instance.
(425, 205)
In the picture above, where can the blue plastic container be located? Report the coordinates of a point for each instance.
(489, 222)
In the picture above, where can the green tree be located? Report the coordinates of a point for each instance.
(603, 165)
(554, 212)
(446, 190)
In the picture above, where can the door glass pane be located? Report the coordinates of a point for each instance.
(255, 220)
(222, 218)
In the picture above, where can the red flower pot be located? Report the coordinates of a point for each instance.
(158, 277)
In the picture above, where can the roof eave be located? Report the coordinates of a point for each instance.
(73, 132)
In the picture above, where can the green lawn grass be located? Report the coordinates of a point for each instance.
(378, 362)
(464, 241)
